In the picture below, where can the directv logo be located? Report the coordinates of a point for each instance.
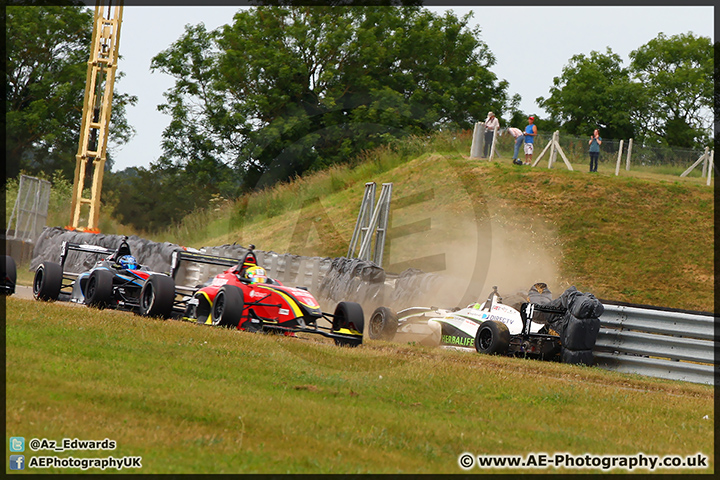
(17, 462)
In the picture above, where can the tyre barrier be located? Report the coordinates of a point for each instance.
(49, 244)
(330, 280)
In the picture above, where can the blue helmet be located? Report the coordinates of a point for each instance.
(128, 262)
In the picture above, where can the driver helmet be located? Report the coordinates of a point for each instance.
(128, 262)
(256, 274)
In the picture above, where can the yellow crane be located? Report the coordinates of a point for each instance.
(96, 113)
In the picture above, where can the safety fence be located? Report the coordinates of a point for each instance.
(28, 217)
(668, 344)
(659, 159)
(30, 211)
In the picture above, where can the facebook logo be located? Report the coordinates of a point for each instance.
(17, 444)
(17, 462)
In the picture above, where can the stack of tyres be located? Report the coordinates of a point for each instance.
(579, 326)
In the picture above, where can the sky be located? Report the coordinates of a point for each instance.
(531, 46)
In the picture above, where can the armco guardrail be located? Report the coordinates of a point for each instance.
(666, 344)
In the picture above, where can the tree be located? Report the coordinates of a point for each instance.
(47, 51)
(150, 199)
(595, 92)
(677, 73)
(283, 90)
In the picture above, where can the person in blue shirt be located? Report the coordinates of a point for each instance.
(530, 133)
(595, 142)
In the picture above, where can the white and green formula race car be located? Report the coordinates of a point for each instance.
(537, 327)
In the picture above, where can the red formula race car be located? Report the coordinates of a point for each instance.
(244, 297)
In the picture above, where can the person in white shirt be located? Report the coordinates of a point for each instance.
(519, 138)
(491, 123)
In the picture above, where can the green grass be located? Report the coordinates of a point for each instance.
(192, 399)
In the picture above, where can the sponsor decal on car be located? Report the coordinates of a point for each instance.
(304, 297)
(504, 308)
(496, 318)
(455, 340)
(470, 324)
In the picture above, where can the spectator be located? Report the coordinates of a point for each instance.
(595, 142)
(519, 137)
(530, 133)
(491, 123)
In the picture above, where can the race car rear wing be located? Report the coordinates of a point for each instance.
(527, 312)
(67, 247)
(203, 258)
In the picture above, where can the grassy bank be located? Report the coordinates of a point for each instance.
(645, 236)
(191, 399)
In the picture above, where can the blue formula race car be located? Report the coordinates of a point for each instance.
(115, 281)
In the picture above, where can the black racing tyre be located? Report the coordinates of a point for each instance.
(227, 308)
(47, 281)
(383, 324)
(492, 337)
(9, 275)
(349, 315)
(99, 288)
(581, 333)
(157, 296)
(200, 312)
(577, 357)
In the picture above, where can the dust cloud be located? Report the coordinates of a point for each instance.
(511, 250)
(508, 249)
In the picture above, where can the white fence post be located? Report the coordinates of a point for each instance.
(710, 167)
(478, 141)
(553, 152)
(492, 147)
(702, 158)
(617, 165)
(627, 160)
(537, 159)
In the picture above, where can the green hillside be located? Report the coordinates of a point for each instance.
(645, 236)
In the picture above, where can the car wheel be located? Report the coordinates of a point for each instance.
(383, 324)
(157, 296)
(47, 281)
(492, 337)
(349, 315)
(227, 308)
(9, 275)
(99, 289)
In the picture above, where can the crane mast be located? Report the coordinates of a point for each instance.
(99, 88)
